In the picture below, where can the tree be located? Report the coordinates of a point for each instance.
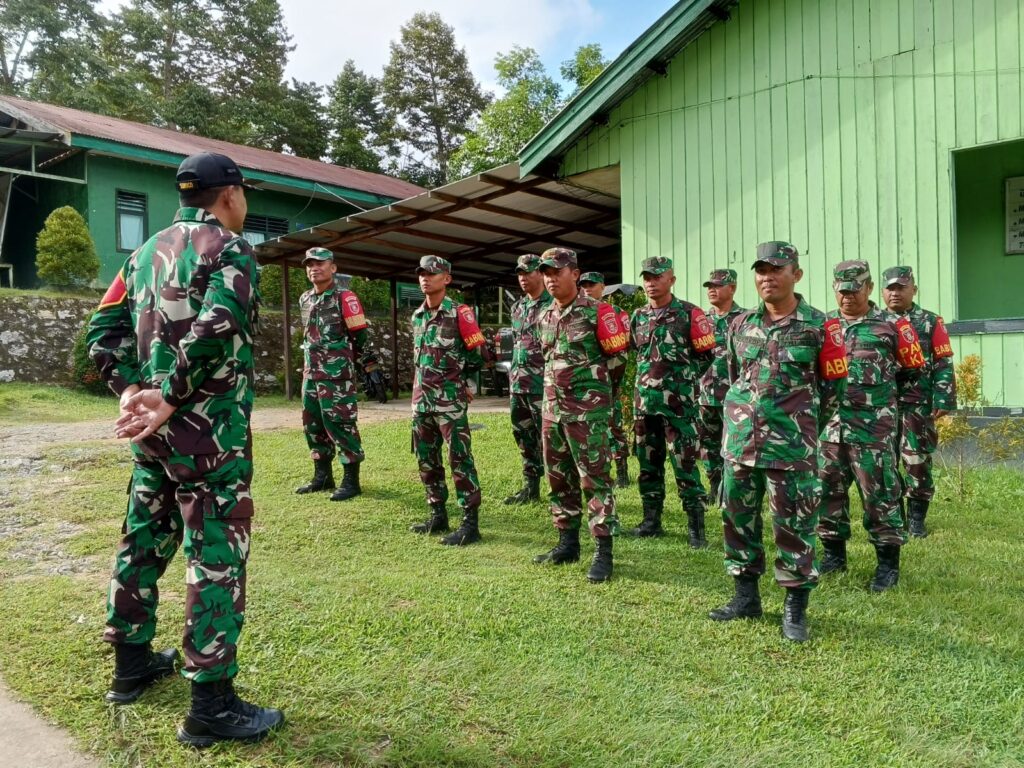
(166, 69)
(586, 64)
(362, 132)
(47, 41)
(299, 125)
(65, 252)
(429, 87)
(508, 123)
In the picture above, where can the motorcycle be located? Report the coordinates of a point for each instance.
(375, 380)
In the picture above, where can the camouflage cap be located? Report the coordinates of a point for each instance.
(720, 277)
(208, 170)
(318, 254)
(777, 253)
(898, 276)
(655, 265)
(434, 265)
(851, 275)
(591, 277)
(528, 262)
(556, 258)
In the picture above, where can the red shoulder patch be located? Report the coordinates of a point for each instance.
(610, 334)
(116, 293)
(352, 311)
(702, 334)
(471, 334)
(832, 362)
(908, 346)
(941, 346)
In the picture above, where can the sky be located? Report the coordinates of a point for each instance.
(326, 33)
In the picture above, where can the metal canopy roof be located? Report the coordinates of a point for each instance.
(481, 224)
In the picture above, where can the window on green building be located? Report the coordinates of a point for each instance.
(258, 228)
(131, 220)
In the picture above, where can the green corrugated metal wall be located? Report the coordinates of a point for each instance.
(829, 123)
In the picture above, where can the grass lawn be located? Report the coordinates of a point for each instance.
(22, 403)
(384, 648)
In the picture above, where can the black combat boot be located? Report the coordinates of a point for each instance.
(695, 527)
(601, 565)
(349, 487)
(217, 714)
(917, 511)
(794, 614)
(651, 525)
(622, 473)
(835, 556)
(529, 492)
(887, 573)
(323, 477)
(436, 523)
(468, 531)
(566, 551)
(745, 604)
(135, 667)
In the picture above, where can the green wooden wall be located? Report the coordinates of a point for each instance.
(829, 123)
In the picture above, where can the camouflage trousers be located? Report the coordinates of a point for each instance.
(653, 434)
(203, 500)
(793, 497)
(576, 459)
(429, 432)
(709, 430)
(918, 441)
(617, 442)
(329, 420)
(874, 471)
(526, 424)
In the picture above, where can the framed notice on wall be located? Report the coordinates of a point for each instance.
(1015, 215)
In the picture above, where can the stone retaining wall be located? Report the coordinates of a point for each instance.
(37, 335)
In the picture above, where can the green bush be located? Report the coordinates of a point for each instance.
(84, 375)
(270, 285)
(65, 252)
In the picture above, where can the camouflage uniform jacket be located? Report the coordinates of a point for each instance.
(577, 370)
(935, 389)
(527, 375)
(715, 381)
(668, 367)
(181, 316)
(778, 400)
(867, 409)
(335, 333)
(443, 362)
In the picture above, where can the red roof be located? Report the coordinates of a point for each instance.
(75, 121)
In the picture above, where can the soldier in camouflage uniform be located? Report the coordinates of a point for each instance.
(931, 398)
(674, 344)
(582, 340)
(447, 352)
(859, 442)
(526, 379)
(335, 334)
(787, 366)
(714, 384)
(173, 338)
(593, 284)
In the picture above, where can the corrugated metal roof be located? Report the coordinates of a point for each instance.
(481, 224)
(74, 121)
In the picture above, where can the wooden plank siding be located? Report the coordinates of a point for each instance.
(829, 123)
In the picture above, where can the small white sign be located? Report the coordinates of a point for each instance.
(1015, 215)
